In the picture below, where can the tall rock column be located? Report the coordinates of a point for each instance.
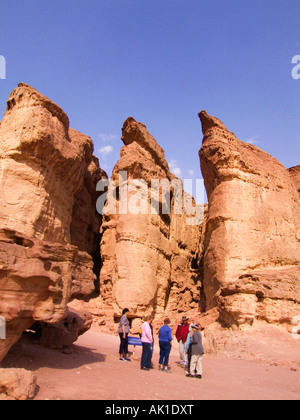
(147, 255)
(252, 240)
(48, 218)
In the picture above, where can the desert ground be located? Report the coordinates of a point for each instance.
(94, 372)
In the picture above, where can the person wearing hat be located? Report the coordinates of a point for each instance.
(181, 335)
(165, 345)
(197, 352)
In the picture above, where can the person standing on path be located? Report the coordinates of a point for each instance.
(152, 344)
(181, 335)
(165, 345)
(147, 340)
(197, 352)
(123, 330)
(188, 350)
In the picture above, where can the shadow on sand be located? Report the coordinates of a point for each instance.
(31, 356)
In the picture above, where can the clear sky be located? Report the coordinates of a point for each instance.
(161, 62)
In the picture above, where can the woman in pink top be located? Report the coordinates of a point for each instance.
(147, 340)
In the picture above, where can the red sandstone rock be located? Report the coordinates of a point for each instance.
(62, 334)
(241, 263)
(49, 225)
(17, 384)
(37, 280)
(147, 258)
(295, 175)
(252, 238)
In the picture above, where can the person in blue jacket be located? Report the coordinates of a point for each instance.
(165, 345)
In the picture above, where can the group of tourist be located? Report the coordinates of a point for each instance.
(188, 336)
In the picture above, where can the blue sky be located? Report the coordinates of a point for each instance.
(162, 62)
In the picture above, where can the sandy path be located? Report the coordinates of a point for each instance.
(94, 372)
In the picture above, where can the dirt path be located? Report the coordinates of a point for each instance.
(94, 372)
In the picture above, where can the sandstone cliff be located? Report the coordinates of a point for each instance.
(239, 257)
(252, 238)
(295, 175)
(150, 259)
(49, 225)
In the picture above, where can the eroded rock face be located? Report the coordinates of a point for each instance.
(17, 384)
(37, 280)
(44, 162)
(240, 256)
(252, 239)
(295, 175)
(49, 225)
(147, 258)
(62, 334)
